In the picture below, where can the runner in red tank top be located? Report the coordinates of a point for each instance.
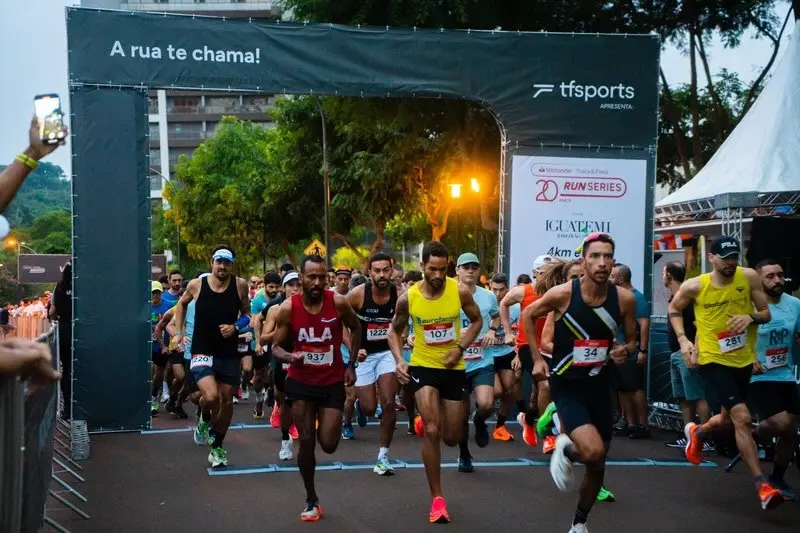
(308, 334)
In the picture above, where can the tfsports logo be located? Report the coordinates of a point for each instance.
(587, 92)
(542, 88)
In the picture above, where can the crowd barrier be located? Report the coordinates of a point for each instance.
(26, 327)
(29, 436)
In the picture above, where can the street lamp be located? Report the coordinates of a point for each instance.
(476, 186)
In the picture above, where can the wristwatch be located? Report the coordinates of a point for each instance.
(354, 364)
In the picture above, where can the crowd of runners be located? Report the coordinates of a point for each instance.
(319, 347)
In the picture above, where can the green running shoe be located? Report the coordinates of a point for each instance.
(606, 495)
(218, 457)
(545, 421)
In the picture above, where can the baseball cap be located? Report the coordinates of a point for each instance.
(290, 276)
(223, 254)
(343, 270)
(156, 286)
(542, 260)
(725, 246)
(467, 259)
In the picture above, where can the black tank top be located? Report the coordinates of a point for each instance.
(212, 309)
(584, 335)
(375, 320)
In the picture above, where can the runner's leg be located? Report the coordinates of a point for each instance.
(304, 414)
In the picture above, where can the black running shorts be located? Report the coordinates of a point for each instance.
(728, 385)
(504, 361)
(327, 397)
(450, 383)
(583, 401)
(768, 398)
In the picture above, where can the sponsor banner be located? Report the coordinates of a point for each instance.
(158, 266)
(41, 268)
(557, 201)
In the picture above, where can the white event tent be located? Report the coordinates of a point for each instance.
(756, 171)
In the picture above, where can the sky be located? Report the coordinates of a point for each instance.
(36, 65)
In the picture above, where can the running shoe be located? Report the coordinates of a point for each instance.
(638, 432)
(154, 406)
(560, 466)
(545, 420)
(258, 411)
(419, 427)
(201, 432)
(170, 406)
(708, 447)
(180, 413)
(378, 412)
(501, 433)
(465, 464)
(360, 416)
(245, 394)
(606, 495)
(286, 450)
(293, 432)
(786, 490)
(347, 432)
(579, 528)
(311, 513)
(235, 398)
(549, 444)
(481, 434)
(275, 418)
(677, 443)
(218, 457)
(621, 428)
(399, 406)
(383, 467)
(439, 514)
(528, 432)
(770, 496)
(694, 447)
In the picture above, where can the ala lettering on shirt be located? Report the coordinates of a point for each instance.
(308, 335)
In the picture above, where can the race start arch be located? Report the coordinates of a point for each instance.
(577, 116)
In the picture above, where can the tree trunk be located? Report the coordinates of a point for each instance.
(377, 244)
(671, 113)
(288, 251)
(776, 43)
(722, 123)
(694, 105)
(343, 239)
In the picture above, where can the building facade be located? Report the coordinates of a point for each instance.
(181, 120)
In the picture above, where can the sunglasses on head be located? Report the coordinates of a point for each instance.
(597, 236)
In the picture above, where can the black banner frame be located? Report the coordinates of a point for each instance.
(594, 92)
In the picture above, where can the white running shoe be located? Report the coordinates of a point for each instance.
(579, 528)
(561, 467)
(246, 394)
(286, 450)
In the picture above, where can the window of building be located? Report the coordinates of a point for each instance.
(185, 130)
(183, 104)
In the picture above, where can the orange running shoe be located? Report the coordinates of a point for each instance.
(275, 417)
(501, 433)
(770, 496)
(311, 513)
(419, 427)
(293, 432)
(549, 444)
(439, 513)
(694, 446)
(528, 432)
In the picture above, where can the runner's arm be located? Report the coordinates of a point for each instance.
(760, 302)
(166, 318)
(684, 297)
(553, 300)
(351, 322)
(548, 334)
(473, 313)
(627, 306)
(514, 296)
(281, 334)
(258, 325)
(398, 325)
(180, 310)
(268, 328)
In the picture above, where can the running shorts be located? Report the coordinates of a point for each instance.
(450, 383)
(476, 378)
(768, 398)
(224, 369)
(374, 366)
(583, 401)
(326, 397)
(504, 361)
(728, 385)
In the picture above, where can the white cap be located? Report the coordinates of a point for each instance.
(290, 276)
(541, 261)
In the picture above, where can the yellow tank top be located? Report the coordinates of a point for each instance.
(712, 309)
(436, 325)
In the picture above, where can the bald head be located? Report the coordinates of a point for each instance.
(621, 275)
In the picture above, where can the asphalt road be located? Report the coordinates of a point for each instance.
(159, 481)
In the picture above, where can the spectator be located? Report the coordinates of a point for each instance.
(61, 310)
(13, 175)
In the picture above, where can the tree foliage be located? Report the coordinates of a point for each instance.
(45, 189)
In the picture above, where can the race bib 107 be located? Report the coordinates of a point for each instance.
(439, 333)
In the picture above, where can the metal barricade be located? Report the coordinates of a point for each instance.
(663, 410)
(28, 426)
